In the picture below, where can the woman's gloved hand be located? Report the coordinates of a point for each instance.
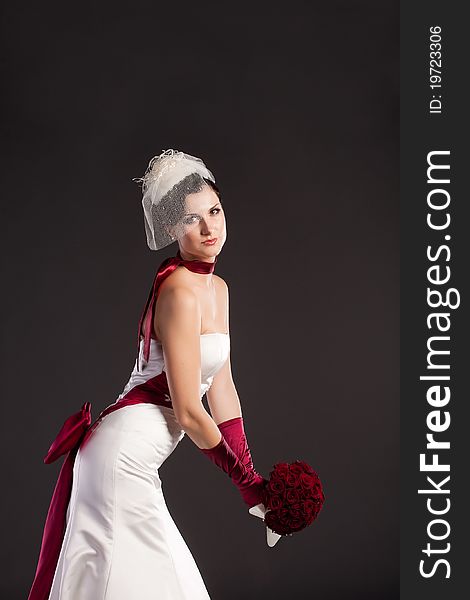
(233, 431)
(249, 483)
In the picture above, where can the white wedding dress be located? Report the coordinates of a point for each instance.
(121, 542)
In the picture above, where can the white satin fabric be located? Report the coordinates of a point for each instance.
(121, 542)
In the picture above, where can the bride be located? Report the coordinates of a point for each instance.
(108, 533)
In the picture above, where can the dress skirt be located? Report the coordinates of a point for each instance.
(121, 542)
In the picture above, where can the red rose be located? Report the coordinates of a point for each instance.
(318, 492)
(310, 520)
(306, 467)
(296, 468)
(280, 470)
(292, 479)
(315, 492)
(273, 523)
(276, 486)
(307, 481)
(283, 516)
(274, 502)
(292, 496)
(294, 513)
(296, 525)
(309, 507)
(283, 523)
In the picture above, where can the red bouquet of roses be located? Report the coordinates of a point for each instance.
(292, 498)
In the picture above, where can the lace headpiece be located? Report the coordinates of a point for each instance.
(169, 178)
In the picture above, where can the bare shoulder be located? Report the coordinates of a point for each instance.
(177, 308)
(178, 285)
(221, 283)
(181, 281)
(222, 291)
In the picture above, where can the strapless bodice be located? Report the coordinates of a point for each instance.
(215, 348)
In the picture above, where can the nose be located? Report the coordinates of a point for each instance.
(205, 229)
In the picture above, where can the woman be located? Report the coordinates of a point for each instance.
(119, 540)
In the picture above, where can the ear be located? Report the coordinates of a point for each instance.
(170, 231)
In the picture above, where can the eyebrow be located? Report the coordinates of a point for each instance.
(197, 214)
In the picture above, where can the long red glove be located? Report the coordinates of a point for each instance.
(249, 483)
(234, 432)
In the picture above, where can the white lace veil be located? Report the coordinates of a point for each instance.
(169, 178)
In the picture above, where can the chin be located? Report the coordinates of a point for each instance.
(211, 251)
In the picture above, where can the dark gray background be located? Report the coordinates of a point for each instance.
(295, 109)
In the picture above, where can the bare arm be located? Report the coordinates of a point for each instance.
(179, 332)
(222, 396)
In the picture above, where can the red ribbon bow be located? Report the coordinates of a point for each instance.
(68, 440)
(71, 434)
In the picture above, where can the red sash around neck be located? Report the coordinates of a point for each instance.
(167, 267)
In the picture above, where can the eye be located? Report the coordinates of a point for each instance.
(190, 220)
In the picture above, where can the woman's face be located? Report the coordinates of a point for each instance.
(204, 220)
